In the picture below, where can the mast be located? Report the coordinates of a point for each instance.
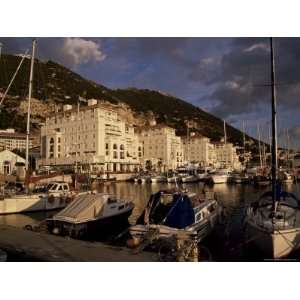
(225, 136)
(274, 128)
(259, 145)
(244, 143)
(0, 49)
(28, 110)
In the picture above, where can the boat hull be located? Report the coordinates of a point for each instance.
(274, 244)
(95, 228)
(31, 203)
(219, 179)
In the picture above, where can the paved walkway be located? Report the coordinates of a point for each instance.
(46, 247)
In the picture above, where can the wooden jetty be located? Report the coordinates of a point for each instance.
(46, 247)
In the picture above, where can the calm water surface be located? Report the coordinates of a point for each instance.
(227, 243)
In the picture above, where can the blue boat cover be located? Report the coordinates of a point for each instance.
(177, 214)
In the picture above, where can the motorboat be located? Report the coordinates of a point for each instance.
(145, 179)
(174, 179)
(90, 213)
(190, 179)
(221, 176)
(55, 195)
(240, 178)
(158, 178)
(171, 213)
(261, 180)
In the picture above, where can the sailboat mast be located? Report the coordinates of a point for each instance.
(244, 143)
(274, 127)
(259, 146)
(0, 49)
(28, 109)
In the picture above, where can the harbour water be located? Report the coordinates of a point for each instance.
(227, 243)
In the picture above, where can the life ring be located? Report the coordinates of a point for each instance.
(28, 227)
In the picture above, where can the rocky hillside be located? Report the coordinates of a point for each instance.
(55, 85)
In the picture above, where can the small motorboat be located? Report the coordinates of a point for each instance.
(88, 214)
(190, 179)
(174, 179)
(145, 179)
(53, 196)
(261, 180)
(239, 178)
(172, 213)
(221, 176)
(158, 178)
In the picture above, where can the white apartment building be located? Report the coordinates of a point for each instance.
(226, 155)
(198, 149)
(92, 137)
(10, 140)
(162, 147)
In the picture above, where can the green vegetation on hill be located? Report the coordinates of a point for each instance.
(56, 82)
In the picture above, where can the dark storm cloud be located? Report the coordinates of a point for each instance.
(246, 69)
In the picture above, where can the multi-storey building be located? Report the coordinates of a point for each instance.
(198, 149)
(226, 155)
(92, 137)
(162, 147)
(10, 140)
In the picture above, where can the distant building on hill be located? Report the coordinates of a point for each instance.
(10, 140)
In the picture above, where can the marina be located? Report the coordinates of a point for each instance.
(228, 241)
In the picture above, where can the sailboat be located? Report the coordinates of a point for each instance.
(273, 221)
(25, 202)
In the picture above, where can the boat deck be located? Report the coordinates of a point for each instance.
(45, 247)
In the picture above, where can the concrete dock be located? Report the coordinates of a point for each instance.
(45, 247)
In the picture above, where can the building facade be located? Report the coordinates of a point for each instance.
(9, 162)
(162, 148)
(10, 140)
(198, 149)
(226, 156)
(92, 138)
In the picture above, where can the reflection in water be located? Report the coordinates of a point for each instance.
(228, 241)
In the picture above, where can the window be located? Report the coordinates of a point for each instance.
(115, 146)
(115, 154)
(58, 140)
(121, 147)
(106, 146)
(122, 156)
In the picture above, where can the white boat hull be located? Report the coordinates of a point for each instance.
(276, 244)
(190, 179)
(30, 203)
(157, 180)
(219, 179)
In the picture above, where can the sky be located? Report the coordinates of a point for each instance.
(228, 77)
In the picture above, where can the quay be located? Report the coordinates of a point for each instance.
(45, 247)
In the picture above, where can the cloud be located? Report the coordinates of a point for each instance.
(81, 51)
(261, 46)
